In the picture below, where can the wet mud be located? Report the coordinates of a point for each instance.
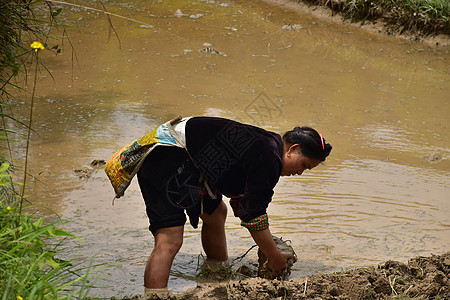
(421, 278)
(263, 269)
(217, 271)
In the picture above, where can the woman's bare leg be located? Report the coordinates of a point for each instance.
(168, 242)
(214, 241)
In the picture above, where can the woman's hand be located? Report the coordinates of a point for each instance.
(278, 261)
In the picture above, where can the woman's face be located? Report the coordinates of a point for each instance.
(294, 162)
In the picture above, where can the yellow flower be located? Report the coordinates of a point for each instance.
(8, 208)
(36, 46)
(19, 298)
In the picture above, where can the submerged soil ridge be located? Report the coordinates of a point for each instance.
(421, 20)
(418, 17)
(420, 278)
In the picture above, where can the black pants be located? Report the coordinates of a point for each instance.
(170, 185)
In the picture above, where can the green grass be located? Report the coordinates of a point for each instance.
(30, 266)
(419, 17)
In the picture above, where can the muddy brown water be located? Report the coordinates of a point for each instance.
(382, 102)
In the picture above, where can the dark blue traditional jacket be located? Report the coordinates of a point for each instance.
(237, 159)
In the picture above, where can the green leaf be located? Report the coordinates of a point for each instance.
(39, 222)
(56, 12)
(60, 232)
(40, 264)
(4, 167)
(51, 263)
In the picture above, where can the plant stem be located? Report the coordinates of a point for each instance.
(30, 122)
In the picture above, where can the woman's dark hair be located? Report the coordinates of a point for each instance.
(312, 144)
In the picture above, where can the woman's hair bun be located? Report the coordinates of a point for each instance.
(312, 144)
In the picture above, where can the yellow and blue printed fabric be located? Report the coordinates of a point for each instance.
(125, 163)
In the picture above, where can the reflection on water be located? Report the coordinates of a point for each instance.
(381, 102)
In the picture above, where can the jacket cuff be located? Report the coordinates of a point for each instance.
(258, 223)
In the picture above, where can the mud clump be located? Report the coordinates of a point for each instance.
(263, 269)
(420, 278)
(212, 270)
(433, 158)
(85, 173)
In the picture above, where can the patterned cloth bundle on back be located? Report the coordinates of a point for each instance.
(125, 163)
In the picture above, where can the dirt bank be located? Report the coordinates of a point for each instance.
(420, 278)
(377, 23)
